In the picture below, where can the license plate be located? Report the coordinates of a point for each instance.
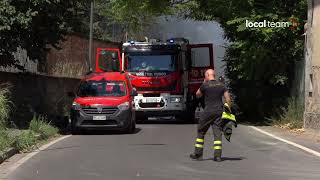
(99, 118)
(151, 100)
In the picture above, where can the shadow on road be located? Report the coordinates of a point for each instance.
(102, 146)
(67, 131)
(227, 159)
(233, 158)
(165, 120)
(107, 132)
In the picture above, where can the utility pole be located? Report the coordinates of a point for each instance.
(312, 67)
(90, 35)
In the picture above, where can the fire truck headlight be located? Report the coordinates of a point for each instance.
(124, 106)
(176, 99)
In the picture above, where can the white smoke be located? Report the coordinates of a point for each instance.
(196, 32)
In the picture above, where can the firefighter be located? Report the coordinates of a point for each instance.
(212, 91)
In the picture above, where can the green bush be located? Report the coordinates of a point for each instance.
(5, 141)
(25, 141)
(35, 124)
(41, 126)
(4, 104)
(292, 116)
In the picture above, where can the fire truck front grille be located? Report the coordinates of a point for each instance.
(151, 105)
(104, 110)
(170, 87)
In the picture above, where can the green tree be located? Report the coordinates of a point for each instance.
(35, 24)
(133, 17)
(259, 61)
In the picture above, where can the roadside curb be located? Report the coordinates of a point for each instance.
(8, 154)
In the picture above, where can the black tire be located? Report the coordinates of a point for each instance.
(74, 129)
(132, 128)
(132, 125)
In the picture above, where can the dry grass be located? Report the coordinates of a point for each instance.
(291, 117)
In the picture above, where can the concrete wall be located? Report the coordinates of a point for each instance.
(70, 59)
(37, 93)
(312, 60)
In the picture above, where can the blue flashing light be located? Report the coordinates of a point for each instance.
(171, 41)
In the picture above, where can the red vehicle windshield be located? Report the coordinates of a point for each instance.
(102, 88)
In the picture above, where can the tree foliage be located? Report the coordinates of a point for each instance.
(132, 17)
(259, 61)
(34, 24)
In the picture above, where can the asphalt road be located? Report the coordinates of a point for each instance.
(160, 152)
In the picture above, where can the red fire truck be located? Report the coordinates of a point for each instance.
(165, 75)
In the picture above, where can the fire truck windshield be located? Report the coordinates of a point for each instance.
(159, 63)
(101, 88)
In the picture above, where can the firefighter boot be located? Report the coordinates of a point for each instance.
(217, 150)
(195, 156)
(217, 155)
(198, 151)
(217, 159)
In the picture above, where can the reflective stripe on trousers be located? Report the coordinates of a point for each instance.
(199, 143)
(217, 145)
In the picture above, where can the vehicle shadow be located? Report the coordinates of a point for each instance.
(67, 131)
(165, 120)
(108, 132)
(227, 159)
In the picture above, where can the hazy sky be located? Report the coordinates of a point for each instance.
(196, 32)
